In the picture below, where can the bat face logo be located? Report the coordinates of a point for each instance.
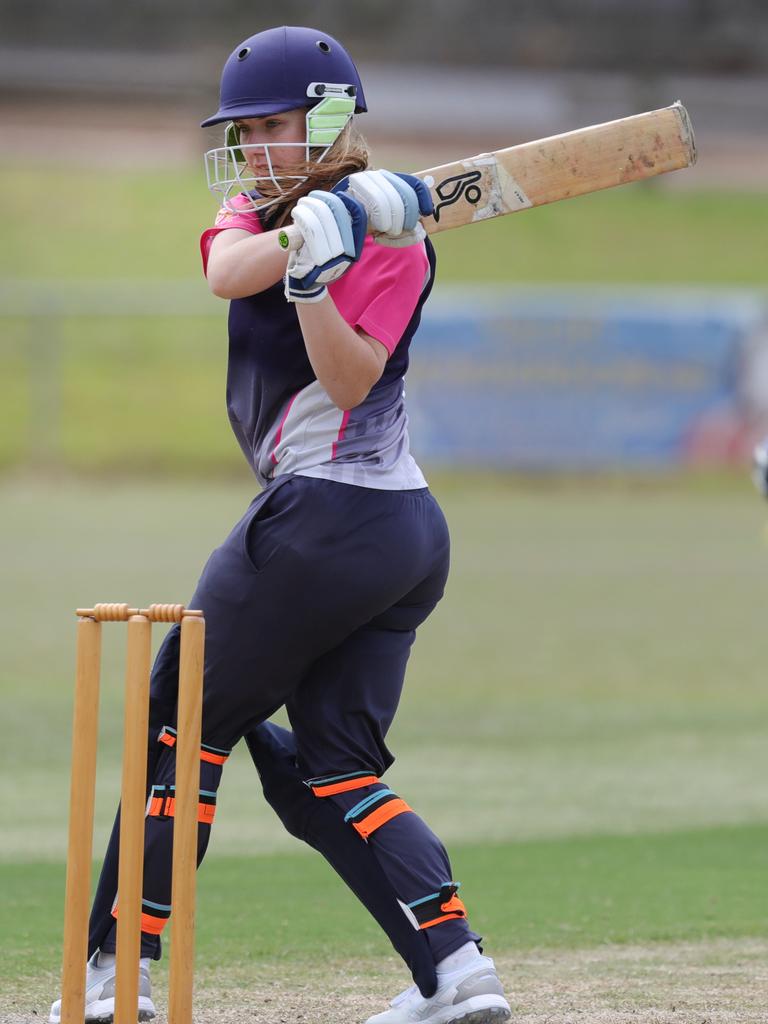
(452, 189)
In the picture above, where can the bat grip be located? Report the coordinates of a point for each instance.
(290, 238)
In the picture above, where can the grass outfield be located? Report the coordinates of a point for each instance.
(586, 714)
(584, 722)
(145, 224)
(595, 666)
(686, 886)
(79, 374)
(626, 930)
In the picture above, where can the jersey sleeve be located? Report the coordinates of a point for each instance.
(243, 216)
(381, 291)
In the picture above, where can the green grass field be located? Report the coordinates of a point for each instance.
(586, 714)
(584, 721)
(688, 885)
(145, 224)
(139, 230)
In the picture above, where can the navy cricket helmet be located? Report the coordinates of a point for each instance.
(283, 69)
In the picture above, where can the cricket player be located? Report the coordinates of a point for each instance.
(314, 598)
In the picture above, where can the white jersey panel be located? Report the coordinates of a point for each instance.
(367, 446)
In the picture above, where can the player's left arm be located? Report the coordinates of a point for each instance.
(347, 361)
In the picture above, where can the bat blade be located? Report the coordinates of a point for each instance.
(559, 167)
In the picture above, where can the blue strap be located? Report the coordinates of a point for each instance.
(368, 802)
(156, 906)
(434, 895)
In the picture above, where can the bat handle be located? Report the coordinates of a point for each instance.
(290, 238)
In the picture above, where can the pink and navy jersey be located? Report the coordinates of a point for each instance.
(281, 415)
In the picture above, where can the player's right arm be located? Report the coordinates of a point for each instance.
(242, 264)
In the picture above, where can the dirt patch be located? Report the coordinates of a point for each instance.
(706, 983)
(719, 982)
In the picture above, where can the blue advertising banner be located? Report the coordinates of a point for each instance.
(561, 379)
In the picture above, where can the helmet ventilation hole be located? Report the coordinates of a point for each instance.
(242, 54)
(322, 45)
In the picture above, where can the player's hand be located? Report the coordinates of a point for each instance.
(760, 467)
(333, 228)
(394, 203)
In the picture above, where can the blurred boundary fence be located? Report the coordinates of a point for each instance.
(729, 35)
(171, 92)
(576, 379)
(116, 376)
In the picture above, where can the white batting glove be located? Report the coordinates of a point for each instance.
(333, 228)
(393, 202)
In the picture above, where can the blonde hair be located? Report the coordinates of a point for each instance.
(348, 154)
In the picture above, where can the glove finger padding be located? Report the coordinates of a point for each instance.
(413, 199)
(333, 228)
(382, 201)
(418, 203)
(394, 203)
(423, 195)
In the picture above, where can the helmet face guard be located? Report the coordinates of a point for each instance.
(229, 174)
(280, 69)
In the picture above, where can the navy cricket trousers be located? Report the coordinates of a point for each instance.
(311, 602)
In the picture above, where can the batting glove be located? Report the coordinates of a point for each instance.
(333, 228)
(393, 202)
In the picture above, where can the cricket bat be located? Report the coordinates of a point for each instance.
(559, 167)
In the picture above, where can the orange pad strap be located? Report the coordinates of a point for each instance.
(374, 811)
(162, 804)
(154, 916)
(213, 755)
(440, 906)
(330, 785)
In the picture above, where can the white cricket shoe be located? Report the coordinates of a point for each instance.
(470, 993)
(100, 993)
